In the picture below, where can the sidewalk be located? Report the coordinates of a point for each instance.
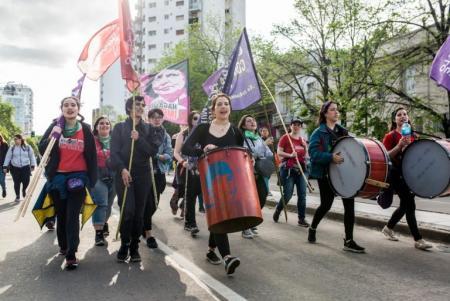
(433, 225)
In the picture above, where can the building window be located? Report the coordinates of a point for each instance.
(151, 46)
(180, 18)
(166, 2)
(152, 61)
(179, 3)
(310, 91)
(151, 19)
(152, 32)
(152, 4)
(180, 32)
(166, 17)
(167, 45)
(409, 83)
(166, 30)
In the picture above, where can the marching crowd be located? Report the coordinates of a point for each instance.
(131, 160)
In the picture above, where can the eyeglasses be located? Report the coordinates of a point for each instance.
(140, 105)
(156, 117)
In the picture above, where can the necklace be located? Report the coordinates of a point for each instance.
(221, 128)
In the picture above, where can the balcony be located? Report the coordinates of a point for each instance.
(194, 5)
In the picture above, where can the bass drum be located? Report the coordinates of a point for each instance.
(426, 167)
(365, 168)
(229, 190)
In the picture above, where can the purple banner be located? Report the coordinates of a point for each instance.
(168, 90)
(242, 82)
(440, 69)
(215, 82)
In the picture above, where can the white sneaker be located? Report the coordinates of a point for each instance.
(389, 234)
(422, 245)
(247, 234)
(254, 231)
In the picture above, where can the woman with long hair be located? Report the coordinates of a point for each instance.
(3, 150)
(395, 144)
(71, 169)
(322, 140)
(188, 164)
(21, 161)
(220, 133)
(103, 192)
(260, 151)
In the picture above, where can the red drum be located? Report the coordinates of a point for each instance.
(426, 167)
(229, 190)
(365, 168)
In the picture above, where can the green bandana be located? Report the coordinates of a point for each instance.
(69, 132)
(251, 135)
(104, 141)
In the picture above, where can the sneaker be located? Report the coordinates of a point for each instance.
(134, 255)
(254, 231)
(24, 193)
(213, 258)
(311, 235)
(276, 215)
(422, 245)
(122, 255)
(231, 263)
(194, 230)
(4, 194)
(105, 230)
(389, 234)
(351, 246)
(151, 243)
(182, 213)
(99, 238)
(17, 200)
(71, 264)
(50, 225)
(303, 223)
(247, 234)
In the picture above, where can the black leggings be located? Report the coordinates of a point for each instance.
(150, 205)
(326, 201)
(20, 175)
(407, 205)
(262, 189)
(221, 242)
(194, 189)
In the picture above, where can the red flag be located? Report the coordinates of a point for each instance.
(126, 46)
(101, 51)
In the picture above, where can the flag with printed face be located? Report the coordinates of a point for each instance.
(126, 46)
(440, 68)
(168, 90)
(242, 83)
(101, 51)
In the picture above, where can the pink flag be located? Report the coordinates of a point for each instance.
(126, 46)
(101, 51)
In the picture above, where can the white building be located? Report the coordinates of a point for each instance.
(21, 97)
(160, 25)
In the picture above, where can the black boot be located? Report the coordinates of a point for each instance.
(122, 255)
(105, 230)
(311, 235)
(134, 251)
(99, 238)
(276, 215)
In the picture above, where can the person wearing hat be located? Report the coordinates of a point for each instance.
(290, 174)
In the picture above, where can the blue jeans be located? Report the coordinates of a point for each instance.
(289, 178)
(103, 195)
(2, 180)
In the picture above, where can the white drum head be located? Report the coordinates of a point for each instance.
(426, 168)
(348, 178)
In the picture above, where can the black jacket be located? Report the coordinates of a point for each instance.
(90, 153)
(150, 138)
(3, 150)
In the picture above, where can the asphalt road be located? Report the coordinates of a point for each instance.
(278, 265)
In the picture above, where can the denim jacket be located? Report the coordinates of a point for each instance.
(166, 150)
(320, 145)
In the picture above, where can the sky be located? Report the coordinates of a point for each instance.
(41, 40)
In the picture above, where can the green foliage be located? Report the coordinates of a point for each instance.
(8, 128)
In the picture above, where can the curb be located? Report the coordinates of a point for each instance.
(377, 222)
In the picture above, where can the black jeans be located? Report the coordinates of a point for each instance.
(150, 205)
(407, 205)
(133, 212)
(221, 242)
(20, 175)
(68, 220)
(262, 189)
(194, 189)
(326, 201)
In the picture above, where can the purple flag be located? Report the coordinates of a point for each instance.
(242, 82)
(215, 82)
(77, 90)
(440, 69)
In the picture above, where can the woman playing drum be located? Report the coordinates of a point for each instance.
(395, 143)
(321, 142)
(220, 133)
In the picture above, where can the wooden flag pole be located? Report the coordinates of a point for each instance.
(310, 188)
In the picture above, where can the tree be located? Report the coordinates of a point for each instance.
(8, 128)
